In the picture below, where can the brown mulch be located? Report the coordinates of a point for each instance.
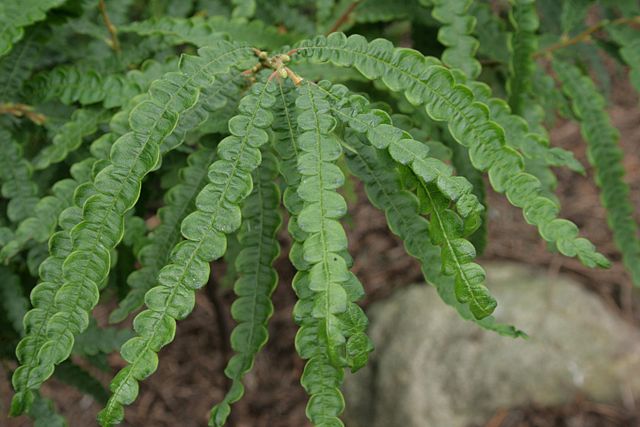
(189, 378)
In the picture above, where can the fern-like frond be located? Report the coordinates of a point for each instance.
(280, 13)
(629, 40)
(95, 340)
(15, 15)
(15, 175)
(12, 299)
(370, 11)
(535, 147)
(201, 31)
(117, 188)
(135, 232)
(332, 335)
(43, 413)
(217, 214)
(522, 43)
(84, 122)
(86, 86)
(257, 279)
(384, 188)
(425, 82)
(456, 35)
(50, 210)
(72, 374)
(491, 32)
(16, 67)
(605, 155)
(440, 188)
(179, 201)
(463, 167)
(41, 224)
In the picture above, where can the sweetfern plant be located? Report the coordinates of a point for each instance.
(140, 141)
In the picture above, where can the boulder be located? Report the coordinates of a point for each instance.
(431, 368)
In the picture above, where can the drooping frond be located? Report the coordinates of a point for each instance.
(135, 232)
(257, 279)
(463, 167)
(43, 413)
(282, 14)
(605, 155)
(16, 67)
(523, 43)
(71, 84)
(74, 375)
(456, 35)
(331, 336)
(68, 138)
(385, 190)
(217, 213)
(425, 82)
(385, 11)
(15, 176)
(12, 299)
(179, 201)
(95, 340)
(629, 40)
(535, 147)
(201, 31)
(100, 228)
(491, 32)
(140, 164)
(440, 188)
(41, 224)
(15, 15)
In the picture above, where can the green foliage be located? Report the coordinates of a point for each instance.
(17, 14)
(179, 201)
(523, 44)
(140, 142)
(606, 157)
(257, 279)
(455, 34)
(16, 177)
(69, 137)
(14, 303)
(629, 41)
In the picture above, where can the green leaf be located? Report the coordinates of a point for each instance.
(80, 273)
(385, 191)
(605, 155)
(17, 14)
(456, 34)
(522, 43)
(16, 178)
(188, 269)
(425, 82)
(257, 279)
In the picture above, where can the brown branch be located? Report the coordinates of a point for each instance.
(113, 31)
(344, 17)
(22, 110)
(585, 35)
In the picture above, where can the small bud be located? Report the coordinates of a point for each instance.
(285, 57)
(263, 55)
(282, 72)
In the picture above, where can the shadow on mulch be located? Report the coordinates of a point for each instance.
(189, 378)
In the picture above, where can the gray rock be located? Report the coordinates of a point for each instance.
(431, 368)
